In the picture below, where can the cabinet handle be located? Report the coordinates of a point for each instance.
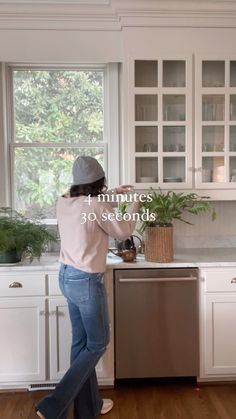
(16, 285)
(59, 313)
(56, 313)
(195, 169)
(42, 313)
(233, 281)
(167, 279)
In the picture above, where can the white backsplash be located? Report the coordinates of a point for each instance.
(206, 233)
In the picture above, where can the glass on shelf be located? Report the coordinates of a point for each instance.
(232, 74)
(174, 138)
(146, 139)
(213, 169)
(232, 169)
(232, 138)
(146, 73)
(213, 138)
(146, 169)
(213, 73)
(232, 111)
(174, 169)
(213, 107)
(174, 73)
(145, 107)
(174, 108)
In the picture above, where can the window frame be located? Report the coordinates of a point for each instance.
(110, 143)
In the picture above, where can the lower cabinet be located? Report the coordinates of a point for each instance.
(22, 331)
(218, 314)
(35, 331)
(220, 334)
(59, 337)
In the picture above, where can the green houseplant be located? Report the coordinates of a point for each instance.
(20, 236)
(162, 209)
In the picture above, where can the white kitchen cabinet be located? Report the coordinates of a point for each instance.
(59, 329)
(161, 102)
(22, 328)
(36, 333)
(215, 145)
(160, 116)
(217, 332)
(22, 331)
(59, 337)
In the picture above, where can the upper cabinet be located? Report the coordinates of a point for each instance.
(215, 138)
(161, 127)
(177, 105)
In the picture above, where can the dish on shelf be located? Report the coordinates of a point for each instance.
(218, 174)
(173, 179)
(147, 179)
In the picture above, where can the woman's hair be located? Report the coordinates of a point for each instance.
(92, 189)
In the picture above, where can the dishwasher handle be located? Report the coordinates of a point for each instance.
(161, 279)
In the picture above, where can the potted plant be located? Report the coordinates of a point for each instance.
(20, 236)
(162, 209)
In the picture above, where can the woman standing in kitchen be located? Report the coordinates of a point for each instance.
(85, 224)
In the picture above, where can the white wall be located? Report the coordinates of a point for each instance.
(60, 46)
(170, 40)
(206, 233)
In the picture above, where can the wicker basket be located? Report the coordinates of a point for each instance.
(159, 244)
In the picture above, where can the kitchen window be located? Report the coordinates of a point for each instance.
(54, 115)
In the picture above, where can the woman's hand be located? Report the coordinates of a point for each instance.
(123, 189)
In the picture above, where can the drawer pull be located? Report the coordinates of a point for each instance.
(16, 285)
(164, 279)
(233, 281)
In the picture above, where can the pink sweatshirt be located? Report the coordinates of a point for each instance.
(84, 244)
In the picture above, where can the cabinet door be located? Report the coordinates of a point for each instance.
(215, 123)
(160, 122)
(59, 337)
(220, 335)
(22, 331)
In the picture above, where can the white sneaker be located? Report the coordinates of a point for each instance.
(40, 415)
(107, 406)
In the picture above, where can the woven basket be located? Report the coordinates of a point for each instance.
(159, 244)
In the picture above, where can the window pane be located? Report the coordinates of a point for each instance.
(145, 73)
(58, 106)
(42, 174)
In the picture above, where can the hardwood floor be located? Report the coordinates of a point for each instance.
(160, 401)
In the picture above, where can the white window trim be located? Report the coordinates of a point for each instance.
(111, 124)
(5, 199)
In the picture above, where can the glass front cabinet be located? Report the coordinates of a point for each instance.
(161, 123)
(215, 137)
(165, 94)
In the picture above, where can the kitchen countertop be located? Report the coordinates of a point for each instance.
(207, 257)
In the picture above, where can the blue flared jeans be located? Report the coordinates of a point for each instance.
(88, 311)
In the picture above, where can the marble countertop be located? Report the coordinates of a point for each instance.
(204, 257)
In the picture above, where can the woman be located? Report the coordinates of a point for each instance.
(85, 224)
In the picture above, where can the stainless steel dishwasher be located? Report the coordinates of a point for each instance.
(156, 323)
